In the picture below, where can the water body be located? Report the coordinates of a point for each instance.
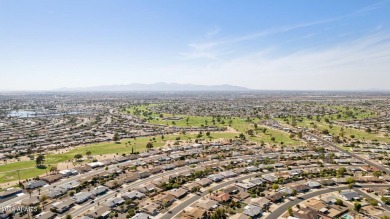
(30, 114)
(22, 113)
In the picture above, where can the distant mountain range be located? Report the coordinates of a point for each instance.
(158, 87)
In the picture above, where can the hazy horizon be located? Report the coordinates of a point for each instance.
(274, 45)
(115, 89)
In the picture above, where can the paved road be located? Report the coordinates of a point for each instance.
(369, 197)
(133, 185)
(284, 207)
(193, 199)
(62, 181)
(111, 194)
(380, 167)
(77, 177)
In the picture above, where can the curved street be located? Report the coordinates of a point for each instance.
(284, 207)
(176, 210)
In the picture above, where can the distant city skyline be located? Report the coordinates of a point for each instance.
(263, 45)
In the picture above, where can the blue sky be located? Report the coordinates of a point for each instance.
(304, 45)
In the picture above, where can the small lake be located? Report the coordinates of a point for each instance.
(29, 114)
(22, 113)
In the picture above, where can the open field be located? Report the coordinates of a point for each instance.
(187, 121)
(278, 135)
(243, 126)
(355, 113)
(24, 174)
(336, 129)
(28, 169)
(8, 171)
(239, 124)
(142, 111)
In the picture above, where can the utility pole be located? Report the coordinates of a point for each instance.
(18, 175)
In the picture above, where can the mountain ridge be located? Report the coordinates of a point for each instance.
(160, 86)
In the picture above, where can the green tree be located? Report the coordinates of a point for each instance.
(149, 145)
(40, 160)
(373, 202)
(290, 211)
(131, 212)
(350, 180)
(218, 213)
(339, 202)
(341, 171)
(210, 191)
(386, 200)
(116, 137)
(377, 173)
(78, 156)
(357, 206)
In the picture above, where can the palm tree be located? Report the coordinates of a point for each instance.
(29, 191)
(210, 191)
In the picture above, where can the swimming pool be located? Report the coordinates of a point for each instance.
(347, 216)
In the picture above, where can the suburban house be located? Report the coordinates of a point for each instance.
(133, 195)
(99, 212)
(207, 204)
(62, 206)
(113, 202)
(10, 192)
(220, 197)
(275, 197)
(216, 177)
(34, 184)
(99, 190)
(82, 197)
(252, 211)
(349, 195)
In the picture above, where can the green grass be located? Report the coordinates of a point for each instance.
(186, 121)
(8, 171)
(336, 130)
(358, 113)
(242, 125)
(24, 174)
(278, 135)
(239, 124)
(17, 165)
(27, 170)
(193, 121)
